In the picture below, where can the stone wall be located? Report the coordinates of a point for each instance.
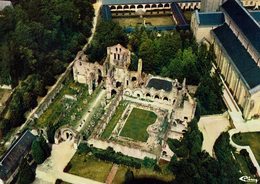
(132, 152)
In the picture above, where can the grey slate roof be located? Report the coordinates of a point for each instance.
(255, 15)
(244, 21)
(115, 2)
(243, 62)
(4, 4)
(212, 18)
(13, 156)
(160, 84)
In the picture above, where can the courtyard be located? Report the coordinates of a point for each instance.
(249, 139)
(137, 123)
(88, 166)
(112, 123)
(162, 20)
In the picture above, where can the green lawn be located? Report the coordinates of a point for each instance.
(112, 123)
(251, 139)
(90, 167)
(165, 175)
(242, 164)
(137, 123)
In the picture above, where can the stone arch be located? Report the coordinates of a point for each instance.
(132, 6)
(154, 6)
(165, 98)
(167, 5)
(118, 84)
(119, 7)
(112, 7)
(100, 78)
(164, 153)
(140, 6)
(138, 94)
(156, 97)
(113, 92)
(64, 134)
(148, 95)
(147, 6)
(134, 78)
(126, 7)
(160, 5)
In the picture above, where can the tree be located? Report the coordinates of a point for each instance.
(107, 34)
(209, 95)
(40, 150)
(183, 66)
(129, 176)
(26, 174)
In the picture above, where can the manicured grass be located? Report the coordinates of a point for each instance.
(251, 139)
(242, 164)
(137, 123)
(162, 20)
(187, 15)
(90, 167)
(112, 123)
(165, 175)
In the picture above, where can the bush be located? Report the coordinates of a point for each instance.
(83, 148)
(40, 150)
(118, 158)
(249, 162)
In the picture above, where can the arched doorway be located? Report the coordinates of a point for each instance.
(113, 92)
(118, 84)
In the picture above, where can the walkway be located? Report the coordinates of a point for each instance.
(211, 128)
(112, 174)
(240, 125)
(91, 110)
(96, 7)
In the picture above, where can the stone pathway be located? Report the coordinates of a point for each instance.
(112, 174)
(211, 128)
(88, 115)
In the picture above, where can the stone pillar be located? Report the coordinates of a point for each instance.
(140, 66)
(90, 87)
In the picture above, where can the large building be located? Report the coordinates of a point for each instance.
(11, 160)
(235, 34)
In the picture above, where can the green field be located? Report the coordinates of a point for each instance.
(90, 167)
(163, 20)
(137, 123)
(164, 175)
(112, 123)
(251, 139)
(242, 164)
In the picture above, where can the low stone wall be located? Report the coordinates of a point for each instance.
(132, 152)
(5, 86)
(247, 148)
(108, 115)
